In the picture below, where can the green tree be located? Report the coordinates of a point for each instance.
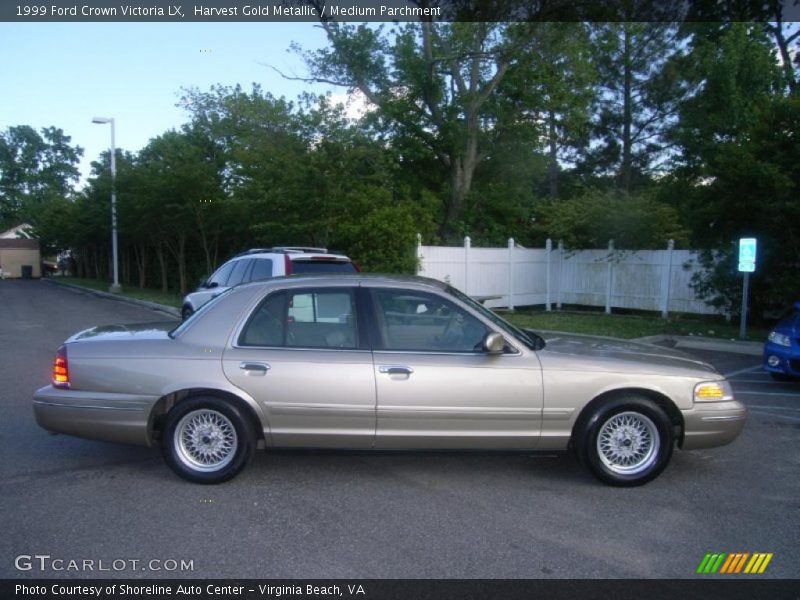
(633, 221)
(739, 168)
(35, 167)
(438, 84)
(640, 91)
(179, 186)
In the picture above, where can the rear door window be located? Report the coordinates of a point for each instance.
(239, 269)
(262, 269)
(304, 319)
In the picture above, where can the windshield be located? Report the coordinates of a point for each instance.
(182, 327)
(530, 339)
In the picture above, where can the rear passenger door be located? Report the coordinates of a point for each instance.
(303, 355)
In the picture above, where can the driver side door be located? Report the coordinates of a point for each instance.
(438, 388)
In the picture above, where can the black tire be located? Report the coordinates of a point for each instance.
(208, 439)
(637, 441)
(186, 312)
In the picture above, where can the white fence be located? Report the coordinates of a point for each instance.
(655, 280)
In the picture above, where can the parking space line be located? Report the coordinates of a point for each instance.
(773, 407)
(760, 381)
(740, 371)
(787, 394)
(767, 413)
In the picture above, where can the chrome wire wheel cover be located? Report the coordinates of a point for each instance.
(628, 443)
(205, 440)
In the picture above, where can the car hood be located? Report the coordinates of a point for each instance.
(140, 331)
(611, 354)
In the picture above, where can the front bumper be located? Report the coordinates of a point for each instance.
(789, 359)
(107, 417)
(710, 424)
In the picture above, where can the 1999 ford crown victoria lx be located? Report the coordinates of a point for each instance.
(376, 362)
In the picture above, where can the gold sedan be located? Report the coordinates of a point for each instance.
(377, 362)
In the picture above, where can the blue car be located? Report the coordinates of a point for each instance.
(782, 348)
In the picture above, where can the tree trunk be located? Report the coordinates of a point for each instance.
(627, 111)
(96, 260)
(786, 56)
(552, 166)
(462, 170)
(182, 264)
(162, 262)
(140, 257)
(178, 250)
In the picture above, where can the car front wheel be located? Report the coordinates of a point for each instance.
(207, 440)
(626, 441)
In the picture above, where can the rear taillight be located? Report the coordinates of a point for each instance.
(61, 369)
(287, 264)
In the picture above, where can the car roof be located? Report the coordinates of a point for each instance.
(342, 279)
(293, 252)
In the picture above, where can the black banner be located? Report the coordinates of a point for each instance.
(401, 589)
(397, 10)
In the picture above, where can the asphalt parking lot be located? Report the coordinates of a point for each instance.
(357, 515)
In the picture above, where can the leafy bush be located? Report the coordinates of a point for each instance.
(633, 221)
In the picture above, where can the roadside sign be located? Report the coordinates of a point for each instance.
(747, 255)
(747, 265)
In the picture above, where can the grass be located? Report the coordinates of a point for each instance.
(148, 294)
(587, 322)
(632, 326)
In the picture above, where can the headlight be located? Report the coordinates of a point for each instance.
(713, 391)
(779, 338)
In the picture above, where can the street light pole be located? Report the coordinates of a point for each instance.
(115, 287)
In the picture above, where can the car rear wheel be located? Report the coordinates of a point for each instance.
(626, 441)
(207, 440)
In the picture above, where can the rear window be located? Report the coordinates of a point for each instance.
(322, 266)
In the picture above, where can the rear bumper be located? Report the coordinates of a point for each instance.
(107, 417)
(710, 424)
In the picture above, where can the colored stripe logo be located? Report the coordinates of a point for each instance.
(732, 563)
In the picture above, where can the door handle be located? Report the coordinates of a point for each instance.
(395, 369)
(257, 368)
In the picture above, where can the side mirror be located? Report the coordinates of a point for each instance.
(494, 343)
(211, 284)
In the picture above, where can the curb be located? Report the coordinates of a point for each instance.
(678, 341)
(718, 345)
(173, 312)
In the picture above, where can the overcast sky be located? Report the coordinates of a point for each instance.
(63, 74)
